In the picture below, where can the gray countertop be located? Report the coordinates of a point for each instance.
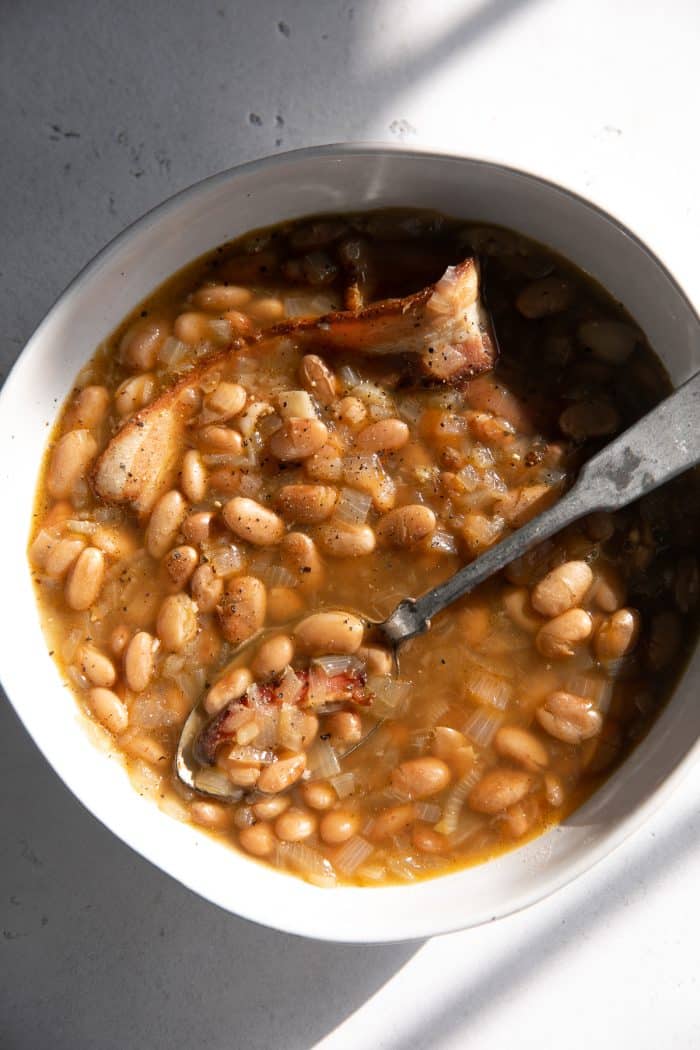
(107, 109)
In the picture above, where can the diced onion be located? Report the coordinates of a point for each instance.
(267, 719)
(378, 403)
(467, 825)
(213, 782)
(290, 728)
(486, 688)
(251, 755)
(353, 506)
(144, 778)
(444, 542)
(278, 576)
(333, 665)
(307, 862)
(401, 868)
(290, 687)
(389, 695)
(174, 353)
(432, 712)
(225, 559)
(321, 761)
(411, 409)
(455, 801)
(592, 687)
(353, 853)
(428, 811)
(348, 376)
(481, 726)
(317, 686)
(343, 784)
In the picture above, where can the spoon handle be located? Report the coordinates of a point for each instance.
(661, 445)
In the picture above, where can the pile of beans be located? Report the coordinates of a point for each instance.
(313, 490)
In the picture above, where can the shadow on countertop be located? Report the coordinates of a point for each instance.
(99, 949)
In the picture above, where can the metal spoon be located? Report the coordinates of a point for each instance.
(663, 444)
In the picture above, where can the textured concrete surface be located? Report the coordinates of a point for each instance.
(106, 109)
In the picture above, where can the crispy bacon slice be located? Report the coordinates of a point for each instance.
(445, 326)
(347, 686)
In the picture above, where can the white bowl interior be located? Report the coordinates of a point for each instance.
(260, 194)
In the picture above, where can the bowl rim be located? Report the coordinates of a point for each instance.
(624, 826)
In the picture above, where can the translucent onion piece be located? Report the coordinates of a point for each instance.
(401, 868)
(353, 506)
(220, 328)
(390, 696)
(411, 409)
(225, 560)
(278, 576)
(267, 720)
(213, 782)
(348, 376)
(321, 761)
(353, 853)
(307, 862)
(317, 687)
(455, 801)
(173, 665)
(428, 811)
(290, 687)
(149, 710)
(444, 542)
(343, 784)
(251, 755)
(290, 728)
(378, 403)
(469, 478)
(481, 726)
(432, 712)
(174, 353)
(592, 687)
(77, 678)
(144, 778)
(486, 688)
(467, 825)
(332, 665)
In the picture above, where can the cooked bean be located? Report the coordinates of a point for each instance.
(554, 790)
(569, 718)
(521, 504)
(177, 622)
(546, 296)
(193, 328)
(206, 588)
(295, 825)
(386, 435)
(220, 297)
(345, 726)
(307, 504)
(210, 814)
(428, 840)
(139, 661)
(284, 604)
(71, 458)
(301, 557)
(134, 394)
(500, 788)
(241, 609)
(140, 347)
(318, 794)
(109, 709)
(164, 524)
(193, 476)
(522, 747)
(259, 839)
(270, 808)
(85, 579)
(180, 564)
(318, 379)
(588, 419)
(96, 665)
(421, 777)
(282, 774)
(119, 639)
(376, 659)
(224, 402)
(562, 588)
(392, 821)
(351, 411)
(609, 591)
(89, 408)
(520, 818)
(273, 656)
(221, 440)
(446, 741)
(518, 605)
(266, 310)
(242, 774)
(338, 826)
(297, 439)
(248, 420)
(557, 639)
(617, 635)
(610, 341)
(664, 639)
(407, 525)
(479, 532)
(144, 747)
(326, 633)
(62, 556)
(326, 464)
(252, 522)
(343, 540)
(196, 528)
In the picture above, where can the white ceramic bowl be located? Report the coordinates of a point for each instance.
(265, 192)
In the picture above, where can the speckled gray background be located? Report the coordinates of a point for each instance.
(106, 108)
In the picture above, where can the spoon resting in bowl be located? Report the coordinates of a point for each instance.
(657, 448)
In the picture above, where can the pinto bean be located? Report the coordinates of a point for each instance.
(421, 777)
(119, 639)
(282, 774)
(589, 419)
(139, 661)
(196, 528)
(273, 656)
(610, 341)
(219, 440)
(517, 603)
(71, 458)
(569, 718)
(344, 726)
(427, 840)
(522, 747)
(62, 556)
(85, 579)
(377, 660)
(193, 476)
(206, 588)
(617, 635)
(318, 379)
(241, 609)
(609, 591)
(164, 524)
(252, 522)
(500, 788)
(224, 402)
(284, 604)
(295, 825)
(325, 633)
(259, 839)
(307, 504)
(270, 808)
(109, 709)
(300, 555)
(392, 821)
(544, 297)
(298, 439)
(338, 826)
(318, 794)
(89, 409)
(179, 564)
(562, 588)
(177, 622)
(231, 686)
(96, 665)
(558, 638)
(386, 435)
(407, 525)
(141, 345)
(344, 540)
(220, 297)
